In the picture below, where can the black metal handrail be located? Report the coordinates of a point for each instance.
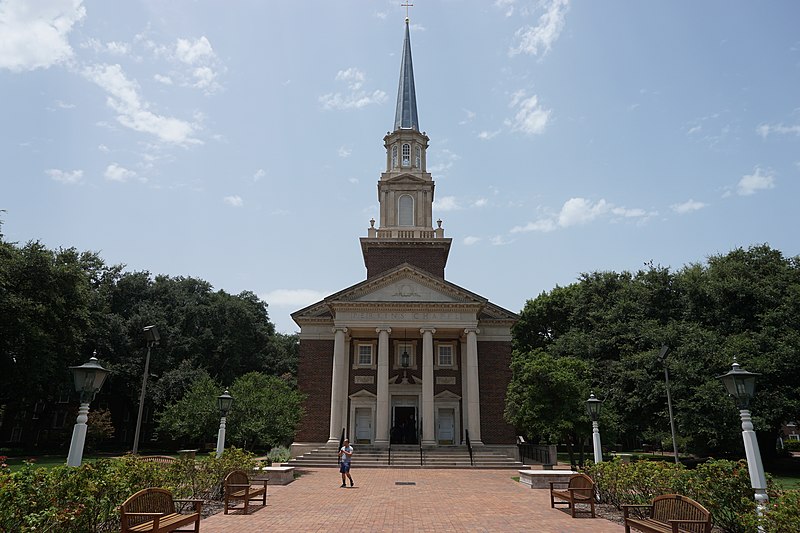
(390, 452)
(538, 454)
(469, 447)
(419, 440)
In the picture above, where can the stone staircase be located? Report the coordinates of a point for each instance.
(408, 456)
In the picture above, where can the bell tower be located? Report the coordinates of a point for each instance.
(405, 232)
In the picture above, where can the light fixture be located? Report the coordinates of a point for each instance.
(224, 402)
(593, 410)
(88, 378)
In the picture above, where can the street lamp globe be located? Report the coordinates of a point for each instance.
(224, 402)
(89, 378)
(593, 407)
(740, 384)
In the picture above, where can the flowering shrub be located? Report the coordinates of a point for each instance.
(85, 499)
(722, 487)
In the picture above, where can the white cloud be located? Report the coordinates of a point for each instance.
(103, 148)
(765, 130)
(72, 177)
(687, 207)
(192, 53)
(114, 172)
(499, 240)
(357, 97)
(540, 38)
(469, 240)
(354, 181)
(757, 181)
(132, 112)
(344, 151)
(577, 211)
(480, 202)
(486, 135)
(446, 203)
(205, 78)
(543, 225)
(470, 116)
(35, 34)
(292, 297)
(166, 80)
(446, 161)
(530, 117)
(233, 201)
(507, 5)
(629, 213)
(260, 173)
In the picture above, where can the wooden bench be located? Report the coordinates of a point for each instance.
(238, 488)
(670, 513)
(153, 510)
(580, 489)
(159, 459)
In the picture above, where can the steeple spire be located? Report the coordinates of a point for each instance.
(406, 114)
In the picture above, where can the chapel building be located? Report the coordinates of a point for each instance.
(405, 356)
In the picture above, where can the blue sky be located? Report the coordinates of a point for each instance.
(241, 142)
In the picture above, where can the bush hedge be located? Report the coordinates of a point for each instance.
(722, 487)
(86, 499)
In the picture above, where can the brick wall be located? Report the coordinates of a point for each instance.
(314, 373)
(494, 368)
(380, 259)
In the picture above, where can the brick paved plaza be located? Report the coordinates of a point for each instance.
(441, 500)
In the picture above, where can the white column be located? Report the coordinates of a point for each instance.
(78, 435)
(757, 478)
(382, 415)
(473, 405)
(221, 437)
(598, 449)
(338, 381)
(428, 436)
(464, 391)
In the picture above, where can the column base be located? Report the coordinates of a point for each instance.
(381, 443)
(333, 442)
(474, 443)
(429, 443)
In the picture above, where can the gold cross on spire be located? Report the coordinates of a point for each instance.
(406, 5)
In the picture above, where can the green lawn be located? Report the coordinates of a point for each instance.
(44, 461)
(787, 482)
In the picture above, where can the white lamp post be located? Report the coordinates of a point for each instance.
(224, 402)
(741, 384)
(152, 336)
(593, 409)
(89, 377)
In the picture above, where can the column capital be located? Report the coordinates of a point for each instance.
(427, 330)
(467, 331)
(387, 329)
(337, 329)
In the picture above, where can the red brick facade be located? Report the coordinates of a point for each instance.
(494, 369)
(314, 374)
(431, 259)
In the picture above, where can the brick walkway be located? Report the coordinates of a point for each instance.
(441, 500)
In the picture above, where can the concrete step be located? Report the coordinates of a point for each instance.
(409, 457)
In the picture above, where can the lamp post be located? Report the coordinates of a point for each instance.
(662, 358)
(224, 402)
(152, 336)
(741, 384)
(593, 409)
(88, 377)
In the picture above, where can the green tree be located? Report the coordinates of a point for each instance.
(194, 418)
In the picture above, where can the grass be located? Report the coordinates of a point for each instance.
(787, 482)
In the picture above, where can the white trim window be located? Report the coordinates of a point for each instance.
(418, 157)
(394, 156)
(406, 155)
(445, 355)
(364, 355)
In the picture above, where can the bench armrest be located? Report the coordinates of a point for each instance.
(145, 514)
(238, 484)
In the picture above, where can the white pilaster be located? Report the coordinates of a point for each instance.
(473, 405)
(464, 389)
(338, 382)
(382, 415)
(428, 435)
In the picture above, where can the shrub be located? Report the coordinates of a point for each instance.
(279, 454)
(783, 513)
(634, 483)
(85, 499)
(792, 445)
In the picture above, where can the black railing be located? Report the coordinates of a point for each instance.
(419, 439)
(537, 454)
(390, 453)
(469, 447)
(341, 443)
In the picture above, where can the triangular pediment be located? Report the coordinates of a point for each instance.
(408, 284)
(405, 178)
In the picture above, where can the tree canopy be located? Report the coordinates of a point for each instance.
(745, 304)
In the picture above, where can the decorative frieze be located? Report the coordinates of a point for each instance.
(364, 380)
(445, 380)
